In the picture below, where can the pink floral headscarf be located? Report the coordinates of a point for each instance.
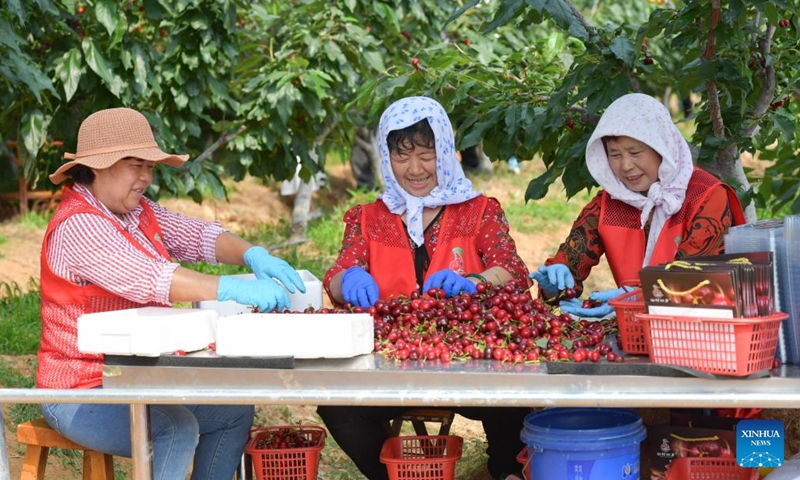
(645, 119)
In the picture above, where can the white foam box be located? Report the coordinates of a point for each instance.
(148, 331)
(298, 301)
(301, 335)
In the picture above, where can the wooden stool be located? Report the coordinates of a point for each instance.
(418, 417)
(39, 438)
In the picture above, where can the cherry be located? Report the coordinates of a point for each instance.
(783, 23)
(648, 61)
(570, 123)
(179, 353)
(415, 62)
(568, 293)
(80, 9)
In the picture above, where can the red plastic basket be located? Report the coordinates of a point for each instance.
(292, 463)
(705, 468)
(631, 330)
(431, 457)
(722, 346)
(522, 457)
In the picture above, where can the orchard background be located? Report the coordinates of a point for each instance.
(254, 87)
(250, 89)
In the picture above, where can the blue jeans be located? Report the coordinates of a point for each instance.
(214, 435)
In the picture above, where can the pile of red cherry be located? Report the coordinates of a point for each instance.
(283, 438)
(495, 323)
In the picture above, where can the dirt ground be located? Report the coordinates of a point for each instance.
(252, 204)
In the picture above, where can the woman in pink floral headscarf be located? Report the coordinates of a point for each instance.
(654, 206)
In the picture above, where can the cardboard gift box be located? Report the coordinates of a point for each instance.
(690, 434)
(711, 292)
(719, 286)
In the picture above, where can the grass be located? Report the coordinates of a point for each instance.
(19, 319)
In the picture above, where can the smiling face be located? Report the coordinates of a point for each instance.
(121, 186)
(634, 163)
(415, 169)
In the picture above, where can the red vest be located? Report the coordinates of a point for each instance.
(390, 255)
(61, 365)
(625, 242)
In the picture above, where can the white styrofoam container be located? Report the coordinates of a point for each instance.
(298, 301)
(301, 335)
(148, 331)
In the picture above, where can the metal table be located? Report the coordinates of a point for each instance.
(373, 380)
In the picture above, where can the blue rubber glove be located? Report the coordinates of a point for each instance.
(265, 294)
(575, 306)
(359, 288)
(553, 279)
(450, 282)
(609, 294)
(265, 266)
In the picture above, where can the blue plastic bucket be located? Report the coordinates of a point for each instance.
(583, 444)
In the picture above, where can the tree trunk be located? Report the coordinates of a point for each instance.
(728, 167)
(367, 140)
(484, 162)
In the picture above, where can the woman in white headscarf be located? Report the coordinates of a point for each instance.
(429, 229)
(655, 206)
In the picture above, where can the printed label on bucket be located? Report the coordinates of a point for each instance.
(622, 468)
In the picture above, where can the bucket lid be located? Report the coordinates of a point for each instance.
(582, 428)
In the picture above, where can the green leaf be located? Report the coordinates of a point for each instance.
(334, 53)
(107, 13)
(140, 67)
(33, 130)
(375, 60)
(537, 188)
(9, 38)
(28, 73)
(624, 50)
(505, 12)
(94, 58)
(15, 7)
(69, 70)
(460, 11)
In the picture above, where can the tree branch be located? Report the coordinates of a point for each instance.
(767, 82)
(709, 52)
(221, 142)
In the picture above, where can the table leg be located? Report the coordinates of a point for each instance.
(5, 471)
(141, 446)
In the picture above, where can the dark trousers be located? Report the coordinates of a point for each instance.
(361, 432)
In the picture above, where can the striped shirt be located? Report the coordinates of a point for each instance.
(87, 249)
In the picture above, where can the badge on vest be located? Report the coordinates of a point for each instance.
(457, 264)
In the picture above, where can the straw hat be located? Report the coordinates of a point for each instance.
(110, 135)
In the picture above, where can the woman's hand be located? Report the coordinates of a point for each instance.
(450, 282)
(265, 294)
(553, 279)
(266, 267)
(359, 288)
(575, 306)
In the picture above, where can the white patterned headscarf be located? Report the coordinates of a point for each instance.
(645, 119)
(452, 187)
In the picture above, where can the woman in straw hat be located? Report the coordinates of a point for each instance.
(108, 247)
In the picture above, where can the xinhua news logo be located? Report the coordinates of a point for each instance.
(759, 443)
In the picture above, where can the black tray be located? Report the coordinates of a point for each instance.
(200, 360)
(637, 367)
